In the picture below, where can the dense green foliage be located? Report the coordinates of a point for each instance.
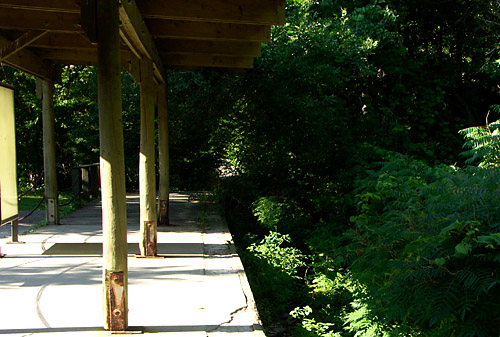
(426, 245)
(409, 249)
(336, 162)
(483, 145)
(76, 122)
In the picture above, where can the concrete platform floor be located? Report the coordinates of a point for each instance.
(51, 283)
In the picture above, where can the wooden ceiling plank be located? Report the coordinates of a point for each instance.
(24, 40)
(208, 61)
(229, 48)
(199, 36)
(77, 55)
(266, 12)
(89, 57)
(133, 26)
(86, 56)
(62, 40)
(34, 20)
(208, 30)
(66, 6)
(271, 12)
(27, 61)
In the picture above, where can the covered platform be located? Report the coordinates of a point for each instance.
(196, 286)
(146, 38)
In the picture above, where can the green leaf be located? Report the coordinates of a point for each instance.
(463, 248)
(496, 238)
(440, 261)
(448, 228)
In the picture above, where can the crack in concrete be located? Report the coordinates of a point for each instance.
(234, 312)
(230, 320)
(237, 267)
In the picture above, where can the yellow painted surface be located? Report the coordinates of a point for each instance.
(8, 163)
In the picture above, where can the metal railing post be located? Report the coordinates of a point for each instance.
(14, 225)
(76, 182)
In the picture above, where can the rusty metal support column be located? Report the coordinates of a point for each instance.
(49, 154)
(163, 214)
(147, 176)
(112, 165)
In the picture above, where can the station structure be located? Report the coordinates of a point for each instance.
(145, 38)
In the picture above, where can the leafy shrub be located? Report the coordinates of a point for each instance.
(269, 211)
(426, 243)
(310, 324)
(283, 215)
(271, 267)
(272, 250)
(483, 144)
(332, 295)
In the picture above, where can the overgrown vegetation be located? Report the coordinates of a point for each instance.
(354, 158)
(337, 163)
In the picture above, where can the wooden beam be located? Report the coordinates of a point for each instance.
(35, 20)
(147, 174)
(208, 61)
(88, 19)
(24, 40)
(208, 30)
(227, 48)
(65, 6)
(131, 64)
(75, 54)
(271, 12)
(135, 32)
(79, 51)
(266, 12)
(63, 41)
(68, 55)
(163, 157)
(49, 154)
(112, 166)
(88, 57)
(27, 61)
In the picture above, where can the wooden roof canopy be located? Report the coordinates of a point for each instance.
(174, 34)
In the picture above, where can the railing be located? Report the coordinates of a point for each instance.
(85, 182)
(14, 222)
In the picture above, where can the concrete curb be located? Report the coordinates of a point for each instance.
(216, 221)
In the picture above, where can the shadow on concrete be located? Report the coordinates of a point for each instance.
(92, 275)
(149, 329)
(95, 249)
